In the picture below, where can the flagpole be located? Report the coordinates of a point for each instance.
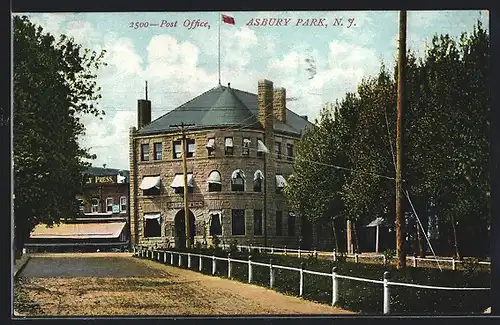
(220, 18)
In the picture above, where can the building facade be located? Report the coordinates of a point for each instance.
(239, 154)
(102, 223)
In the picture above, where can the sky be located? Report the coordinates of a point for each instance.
(179, 58)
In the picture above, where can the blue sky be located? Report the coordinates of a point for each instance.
(180, 63)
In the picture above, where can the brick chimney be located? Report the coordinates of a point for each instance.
(265, 102)
(143, 112)
(279, 104)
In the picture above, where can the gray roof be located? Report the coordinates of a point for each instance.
(100, 171)
(222, 106)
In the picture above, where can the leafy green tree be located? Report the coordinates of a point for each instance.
(54, 86)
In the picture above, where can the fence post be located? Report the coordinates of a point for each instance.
(356, 258)
(315, 253)
(334, 255)
(272, 250)
(415, 260)
(453, 264)
(387, 297)
(158, 257)
(229, 265)
(249, 268)
(271, 273)
(189, 260)
(299, 252)
(335, 286)
(134, 251)
(171, 258)
(200, 264)
(250, 248)
(180, 259)
(385, 260)
(285, 250)
(301, 281)
(213, 264)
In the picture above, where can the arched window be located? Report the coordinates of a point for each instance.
(238, 181)
(258, 179)
(214, 181)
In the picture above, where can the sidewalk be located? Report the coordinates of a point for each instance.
(19, 265)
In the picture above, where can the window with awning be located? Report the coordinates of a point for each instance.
(211, 146)
(245, 151)
(151, 185)
(228, 143)
(258, 177)
(238, 180)
(152, 224)
(214, 181)
(291, 224)
(261, 148)
(280, 183)
(178, 183)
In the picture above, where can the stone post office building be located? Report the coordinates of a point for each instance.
(228, 168)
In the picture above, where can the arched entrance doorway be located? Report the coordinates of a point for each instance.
(180, 228)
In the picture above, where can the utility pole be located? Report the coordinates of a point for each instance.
(184, 145)
(400, 222)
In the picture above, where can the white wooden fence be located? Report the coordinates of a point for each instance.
(156, 255)
(356, 256)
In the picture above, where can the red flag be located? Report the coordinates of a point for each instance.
(227, 19)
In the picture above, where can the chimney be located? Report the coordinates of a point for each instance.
(265, 102)
(143, 112)
(279, 104)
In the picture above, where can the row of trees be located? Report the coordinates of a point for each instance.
(54, 86)
(445, 146)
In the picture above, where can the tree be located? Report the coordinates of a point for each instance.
(54, 85)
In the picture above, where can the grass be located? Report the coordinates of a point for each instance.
(361, 296)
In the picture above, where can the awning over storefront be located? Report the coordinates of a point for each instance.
(79, 231)
(214, 177)
(179, 181)
(149, 182)
(258, 175)
(261, 147)
(377, 222)
(211, 143)
(280, 181)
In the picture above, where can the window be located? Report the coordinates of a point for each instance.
(238, 181)
(214, 182)
(158, 151)
(191, 148)
(289, 152)
(280, 183)
(257, 222)
(81, 205)
(279, 223)
(257, 181)
(238, 222)
(261, 148)
(211, 146)
(177, 149)
(215, 223)
(95, 204)
(152, 191)
(291, 224)
(152, 227)
(277, 149)
(145, 152)
(123, 204)
(109, 204)
(246, 147)
(229, 146)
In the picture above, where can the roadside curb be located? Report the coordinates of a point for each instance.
(19, 266)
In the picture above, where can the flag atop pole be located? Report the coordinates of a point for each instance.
(227, 20)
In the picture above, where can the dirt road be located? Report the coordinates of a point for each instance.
(99, 284)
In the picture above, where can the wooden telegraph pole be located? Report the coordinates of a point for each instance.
(400, 221)
(184, 145)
